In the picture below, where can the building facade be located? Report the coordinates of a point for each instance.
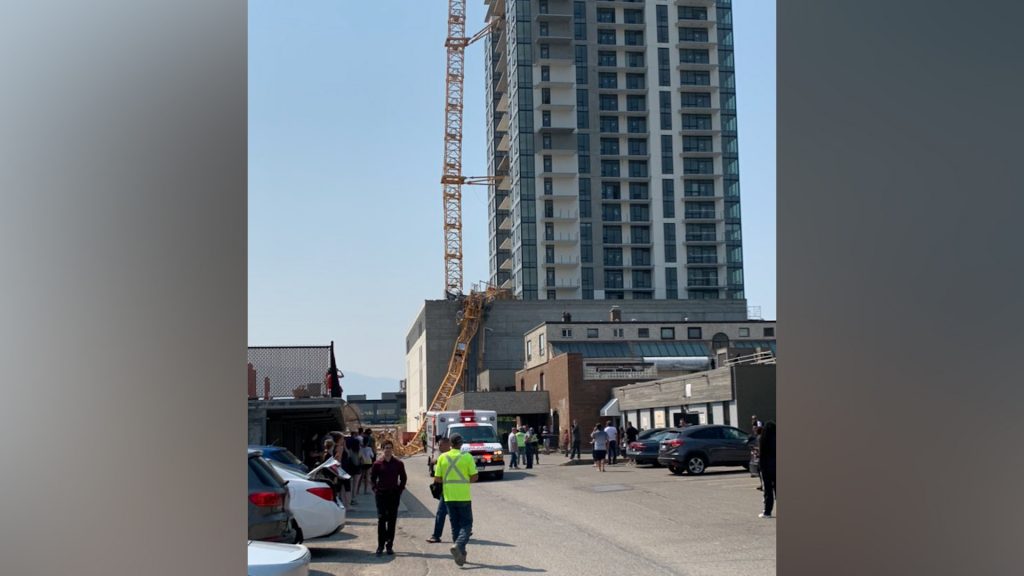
(612, 139)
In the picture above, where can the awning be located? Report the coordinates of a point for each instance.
(611, 408)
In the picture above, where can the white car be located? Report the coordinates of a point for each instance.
(316, 513)
(273, 559)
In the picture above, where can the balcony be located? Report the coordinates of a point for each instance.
(702, 259)
(700, 215)
(561, 238)
(620, 372)
(701, 238)
(563, 261)
(564, 284)
(560, 216)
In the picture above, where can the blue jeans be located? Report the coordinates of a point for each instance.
(514, 463)
(462, 522)
(439, 518)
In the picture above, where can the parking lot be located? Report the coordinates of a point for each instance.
(572, 519)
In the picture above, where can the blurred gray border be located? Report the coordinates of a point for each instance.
(900, 195)
(123, 292)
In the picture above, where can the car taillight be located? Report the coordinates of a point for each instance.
(326, 493)
(267, 499)
(636, 446)
(672, 443)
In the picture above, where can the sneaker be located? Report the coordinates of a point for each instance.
(433, 540)
(763, 515)
(460, 559)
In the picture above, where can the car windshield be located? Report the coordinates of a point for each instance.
(474, 433)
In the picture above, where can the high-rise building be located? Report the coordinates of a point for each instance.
(612, 134)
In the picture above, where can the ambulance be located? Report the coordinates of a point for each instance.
(479, 431)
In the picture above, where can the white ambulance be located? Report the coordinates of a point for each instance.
(479, 431)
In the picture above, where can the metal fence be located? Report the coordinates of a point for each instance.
(288, 371)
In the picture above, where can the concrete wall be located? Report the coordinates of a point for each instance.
(704, 387)
(504, 403)
(755, 393)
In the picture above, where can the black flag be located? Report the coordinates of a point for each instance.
(332, 375)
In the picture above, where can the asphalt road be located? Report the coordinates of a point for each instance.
(571, 519)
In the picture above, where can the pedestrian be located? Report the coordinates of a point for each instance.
(574, 433)
(533, 439)
(755, 454)
(513, 450)
(766, 451)
(365, 463)
(612, 433)
(369, 441)
(388, 478)
(599, 437)
(521, 445)
(631, 435)
(350, 464)
(444, 445)
(327, 453)
(455, 471)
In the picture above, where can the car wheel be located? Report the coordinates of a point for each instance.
(298, 532)
(695, 464)
(676, 470)
(499, 475)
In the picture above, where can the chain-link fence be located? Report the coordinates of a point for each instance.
(289, 372)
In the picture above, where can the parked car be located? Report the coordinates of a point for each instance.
(315, 511)
(644, 450)
(696, 448)
(282, 455)
(269, 517)
(272, 559)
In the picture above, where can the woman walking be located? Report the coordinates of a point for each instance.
(600, 440)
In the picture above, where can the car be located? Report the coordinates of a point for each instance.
(644, 450)
(694, 449)
(315, 511)
(282, 455)
(273, 559)
(269, 517)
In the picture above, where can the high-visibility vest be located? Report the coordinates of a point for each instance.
(455, 469)
(521, 439)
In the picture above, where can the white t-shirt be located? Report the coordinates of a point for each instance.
(612, 432)
(512, 441)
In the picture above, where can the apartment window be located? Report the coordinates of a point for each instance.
(698, 166)
(701, 255)
(606, 15)
(664, 75)
(696, 122)
(725, 37)
(592, 333)
(640, 256)
(613, 279)
(728, 123)
(549, 276)
(552, 295)
(610, 191)
(733, 233)
(744, 332)
(607, 80)
(724, 17)
(661, 14)
(735, 277)
(702, 294)
(642, 279)
(579, 29)
(542, 7)
(616, 295)
(606, 58)
(727, 80)
(549, 231)
(694, 78)
(694, 56)
(545, 118)
(693, 13)
(635, 59)
(639, 213)
(540, 344)
(548, 164)
(606, 36)
(728, 101)
(610, 146)
(579, 15)
(549, 254)
(730, 145)
(636, 125)
(613, 256)
(697, 144)
(529, 350)
(638, 168)
(588, 283)
(638, 191)
(699, 188)
(582, 109)
(665, 108)
(643, 332)
(608, 102)
(701, 233)
(634, 38)
(549, 186)
(726, 60)
(545, 143)
(696, 100)
(611, 234)
(640, 235)
(693, 35)
(609, 124)
(566, 332)
(545, 73)
(702, 277)
(671, 284)
(545, 95)
(734, 255)
(544, 31)
(636, 103)
(666, 154)
(584, 197)
(668, 333)
(611, 213)
(731, 166)
(670, 250)
(635, 81)
(610, 168)
(668, 198)
(581, 75)
(618, 332)
(693, 333)
(769, 332)
(545, 51)
(630, 16)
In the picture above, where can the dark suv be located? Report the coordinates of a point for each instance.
(695, 448)
(269, 517)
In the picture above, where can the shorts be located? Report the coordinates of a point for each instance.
(599, 454)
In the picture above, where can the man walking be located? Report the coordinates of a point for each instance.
(513, 449)
(613, 435)
(575, 435)
(455, 471)
(444, 445)
(387, 476)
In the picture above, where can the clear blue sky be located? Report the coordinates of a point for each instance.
(346, 110)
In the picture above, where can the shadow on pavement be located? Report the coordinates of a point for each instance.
(348, 556)
(507, 568)
(474, 542)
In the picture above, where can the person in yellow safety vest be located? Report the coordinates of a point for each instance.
(521, 446)
(455, 470)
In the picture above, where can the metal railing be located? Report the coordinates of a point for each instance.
(765, 357)
(288, 372)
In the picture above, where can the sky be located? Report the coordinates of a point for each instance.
(346, 125)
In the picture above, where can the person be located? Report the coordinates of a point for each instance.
(369, 441)
(521, 445)
(513, 450)
(766, 451)
(350, 465)
(388, 478)
(444, 445)
(327, 453)
(612, 434)
(631, 434)
(365, 463)
(755, 454)
(599, 437)
(455, 471)
(575, 435)
(533, 445)
(565, 442)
